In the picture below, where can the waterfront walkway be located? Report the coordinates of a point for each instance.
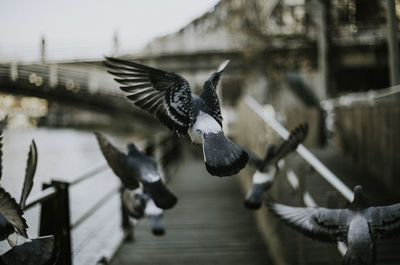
(209, 225)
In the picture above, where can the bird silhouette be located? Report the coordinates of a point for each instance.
(168, 97)
(136, 167)
(12, 221)
(359, 225)
(267, 169)
(38, 251)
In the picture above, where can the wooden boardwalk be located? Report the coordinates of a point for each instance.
(209, 225)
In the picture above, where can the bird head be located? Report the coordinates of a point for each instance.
(132, 148)
(359, 201)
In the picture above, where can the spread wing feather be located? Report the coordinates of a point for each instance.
(3, 125)
(317, 223)
(384, 221)
(165, 95)
(209, 93)
(29, 173)
(118, 162)
(12, 212)
(296, 137)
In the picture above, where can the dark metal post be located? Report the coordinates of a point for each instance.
(393, 45)
(42, 50)
(55, 220)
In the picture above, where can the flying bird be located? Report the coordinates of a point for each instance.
(359, 225)
(12, 221)
(38, 251)
(135, 167)
(168, 97)
(267, 169)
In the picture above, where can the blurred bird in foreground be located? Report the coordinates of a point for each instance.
(38, 251)
(140, 204)
(11, 220)
(267, 168)
(168, 97)
(359, 225)
(136, 167)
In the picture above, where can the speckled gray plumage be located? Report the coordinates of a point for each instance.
(359, 225)
(134, 168)
(167, 96)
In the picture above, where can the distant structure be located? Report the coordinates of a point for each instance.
(294, 53)
(288, 53)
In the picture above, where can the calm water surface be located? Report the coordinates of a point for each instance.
(63, 154)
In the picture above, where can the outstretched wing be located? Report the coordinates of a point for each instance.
(3, 125)
(316, 223)
(209, 93)
(38, 251)
(295, 138)
(165, 95)
(12, 212)
(384, 221)
(118, 162)
(29, 174)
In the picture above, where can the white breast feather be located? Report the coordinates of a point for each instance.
(150, 176)
(260, 177)
(204, 124)
(152, 209)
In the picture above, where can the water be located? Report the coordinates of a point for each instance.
(63, 154)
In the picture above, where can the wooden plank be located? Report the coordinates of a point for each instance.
(209, 225)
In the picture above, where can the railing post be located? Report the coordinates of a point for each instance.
(55, 220)
(13, 71)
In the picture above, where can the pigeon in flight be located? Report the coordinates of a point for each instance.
(135, 167)
(38, 251)
(359, 225)
(168, 97)
(138, 204)
(11, 220)
(267, 168)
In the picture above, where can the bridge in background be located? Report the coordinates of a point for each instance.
(87, 87)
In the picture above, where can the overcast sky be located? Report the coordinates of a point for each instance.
(85, 28)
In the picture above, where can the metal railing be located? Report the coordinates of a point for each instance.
(314, 162)
(55, 202)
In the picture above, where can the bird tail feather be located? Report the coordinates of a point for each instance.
(157, 227)
(222, 156)
(160, 194)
